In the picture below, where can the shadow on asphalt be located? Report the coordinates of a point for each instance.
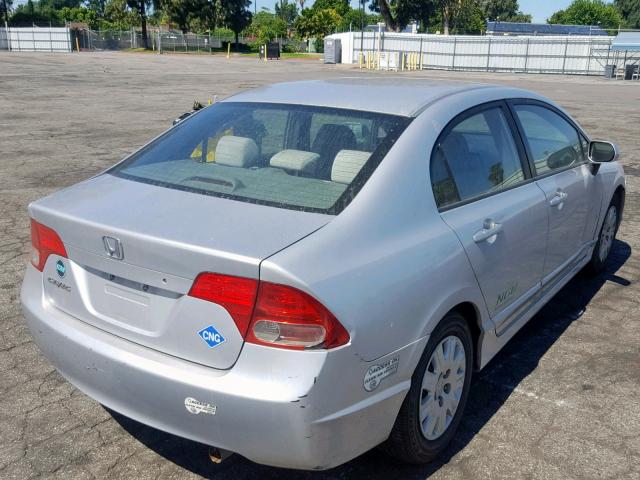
(489, 391)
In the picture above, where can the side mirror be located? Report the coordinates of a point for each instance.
(602, 152)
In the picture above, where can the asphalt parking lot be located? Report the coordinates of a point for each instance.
(561, 401)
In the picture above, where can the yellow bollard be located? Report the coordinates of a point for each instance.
(77, 45)
(228, 50)
(209, 102)
(360, 60)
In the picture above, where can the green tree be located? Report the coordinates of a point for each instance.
(461, 16)
(317, 23)
(286, 11)
(588, 12)
(183, 12)
(396, 14)
(504, 10)
(340, 6)
(265, 27)
(235, 15)
(630, 12)
(141, 7)
(355, 19)
(5, 9)
(97, 6)
(80, 15)
(521, 17)
(467, 18)
(118, 15)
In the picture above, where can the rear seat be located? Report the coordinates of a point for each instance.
(296, 161)
(347, 165)
(236, 151)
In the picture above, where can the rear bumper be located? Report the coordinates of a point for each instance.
(273, 407)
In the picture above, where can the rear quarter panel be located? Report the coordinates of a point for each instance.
(388, 266)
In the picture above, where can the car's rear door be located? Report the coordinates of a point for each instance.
(557, 157)
(483, 188)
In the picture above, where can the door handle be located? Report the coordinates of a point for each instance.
(558, 198)
(489, 229)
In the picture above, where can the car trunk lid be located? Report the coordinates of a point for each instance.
(135, 249)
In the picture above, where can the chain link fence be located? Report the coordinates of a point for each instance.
(169, 41)
(157, 40)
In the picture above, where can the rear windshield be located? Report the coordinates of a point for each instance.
(290, 156)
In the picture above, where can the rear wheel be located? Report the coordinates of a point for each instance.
(431, 412)
(604, 245)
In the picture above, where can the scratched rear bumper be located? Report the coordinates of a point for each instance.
(304, 410)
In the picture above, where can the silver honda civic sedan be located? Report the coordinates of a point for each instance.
(307, 270)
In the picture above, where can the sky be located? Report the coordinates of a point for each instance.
(540, 9)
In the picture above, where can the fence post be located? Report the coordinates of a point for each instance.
(589, 57)
(488, 53)
(564, 59)
(526, 57)
(420, 58)
(380, 43)
(453, 57)
(50, 40)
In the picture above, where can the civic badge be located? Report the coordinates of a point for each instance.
(113, 247)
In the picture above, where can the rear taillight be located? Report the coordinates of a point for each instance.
(44, 242)
(283, 316)
(236, 294)
(289, 318)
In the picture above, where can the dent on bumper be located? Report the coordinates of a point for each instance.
(272, 407)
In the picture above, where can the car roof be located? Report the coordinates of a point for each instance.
(390, 95)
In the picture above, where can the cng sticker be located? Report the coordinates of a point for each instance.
(211, 336)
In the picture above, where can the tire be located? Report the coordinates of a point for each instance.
(606, 238)
(407, 441)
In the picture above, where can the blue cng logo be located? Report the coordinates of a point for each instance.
(60, 268)
(211, 336)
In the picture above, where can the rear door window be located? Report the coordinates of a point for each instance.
(291, 156)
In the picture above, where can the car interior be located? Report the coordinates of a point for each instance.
(304, 157)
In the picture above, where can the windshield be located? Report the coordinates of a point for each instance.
(290, 156)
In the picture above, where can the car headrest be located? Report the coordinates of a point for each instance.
(295, 160)
(333, 137)
(347, 165)
(236, 151)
